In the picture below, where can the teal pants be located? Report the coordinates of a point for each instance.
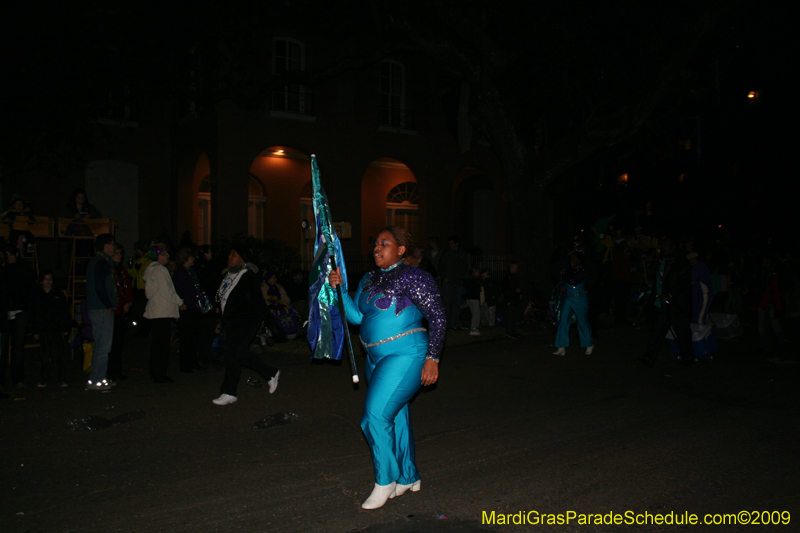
(393, 372)
(579, 306)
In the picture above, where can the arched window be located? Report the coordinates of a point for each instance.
(288, 55)
(256, 205)
(402, 207)
(204, 204)
(393, 95)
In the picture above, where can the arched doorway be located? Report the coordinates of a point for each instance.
(282, 173)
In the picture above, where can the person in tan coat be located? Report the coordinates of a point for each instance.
(163, 306)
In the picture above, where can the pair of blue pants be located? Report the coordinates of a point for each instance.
(579, 306)
(103, 333)
(393, 379)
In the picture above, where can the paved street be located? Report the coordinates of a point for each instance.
(510, 428)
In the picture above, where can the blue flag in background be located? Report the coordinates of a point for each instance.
(325, 327)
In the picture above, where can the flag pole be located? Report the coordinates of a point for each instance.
(353, 368)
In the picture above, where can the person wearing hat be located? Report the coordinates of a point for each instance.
(163, 306)
(243, 310)
(273, 292)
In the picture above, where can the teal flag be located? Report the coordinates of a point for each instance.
(326, 330)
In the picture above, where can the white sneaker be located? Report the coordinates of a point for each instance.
(41, 385)
(474, 332)
(273, 382)
(224, 399)
(100, 385)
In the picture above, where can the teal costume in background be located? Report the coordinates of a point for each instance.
(390, 305)
(574, 301)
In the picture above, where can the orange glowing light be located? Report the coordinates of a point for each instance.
(751, 94)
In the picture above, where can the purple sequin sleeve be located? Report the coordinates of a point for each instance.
(421, 289)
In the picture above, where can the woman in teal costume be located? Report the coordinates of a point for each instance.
(391, 302)
(574, 300)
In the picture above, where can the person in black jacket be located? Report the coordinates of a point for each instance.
(673, 305)
(209, 273)
(20, 283)
(50, 326)
(243, 310)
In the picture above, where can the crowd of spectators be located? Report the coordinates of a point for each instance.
(170, 293)
(166, 293)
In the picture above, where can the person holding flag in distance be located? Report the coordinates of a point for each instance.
(391, 302)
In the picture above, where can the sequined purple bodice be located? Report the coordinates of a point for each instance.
(404, 287)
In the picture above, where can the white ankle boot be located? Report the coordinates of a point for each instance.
(560, 351)
(589, 350)
(379, 495)
(399, 490)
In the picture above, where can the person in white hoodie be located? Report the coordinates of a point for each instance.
(163, 306)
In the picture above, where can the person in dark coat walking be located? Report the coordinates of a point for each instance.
(243, 310)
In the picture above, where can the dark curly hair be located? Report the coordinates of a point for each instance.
(402, 237)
